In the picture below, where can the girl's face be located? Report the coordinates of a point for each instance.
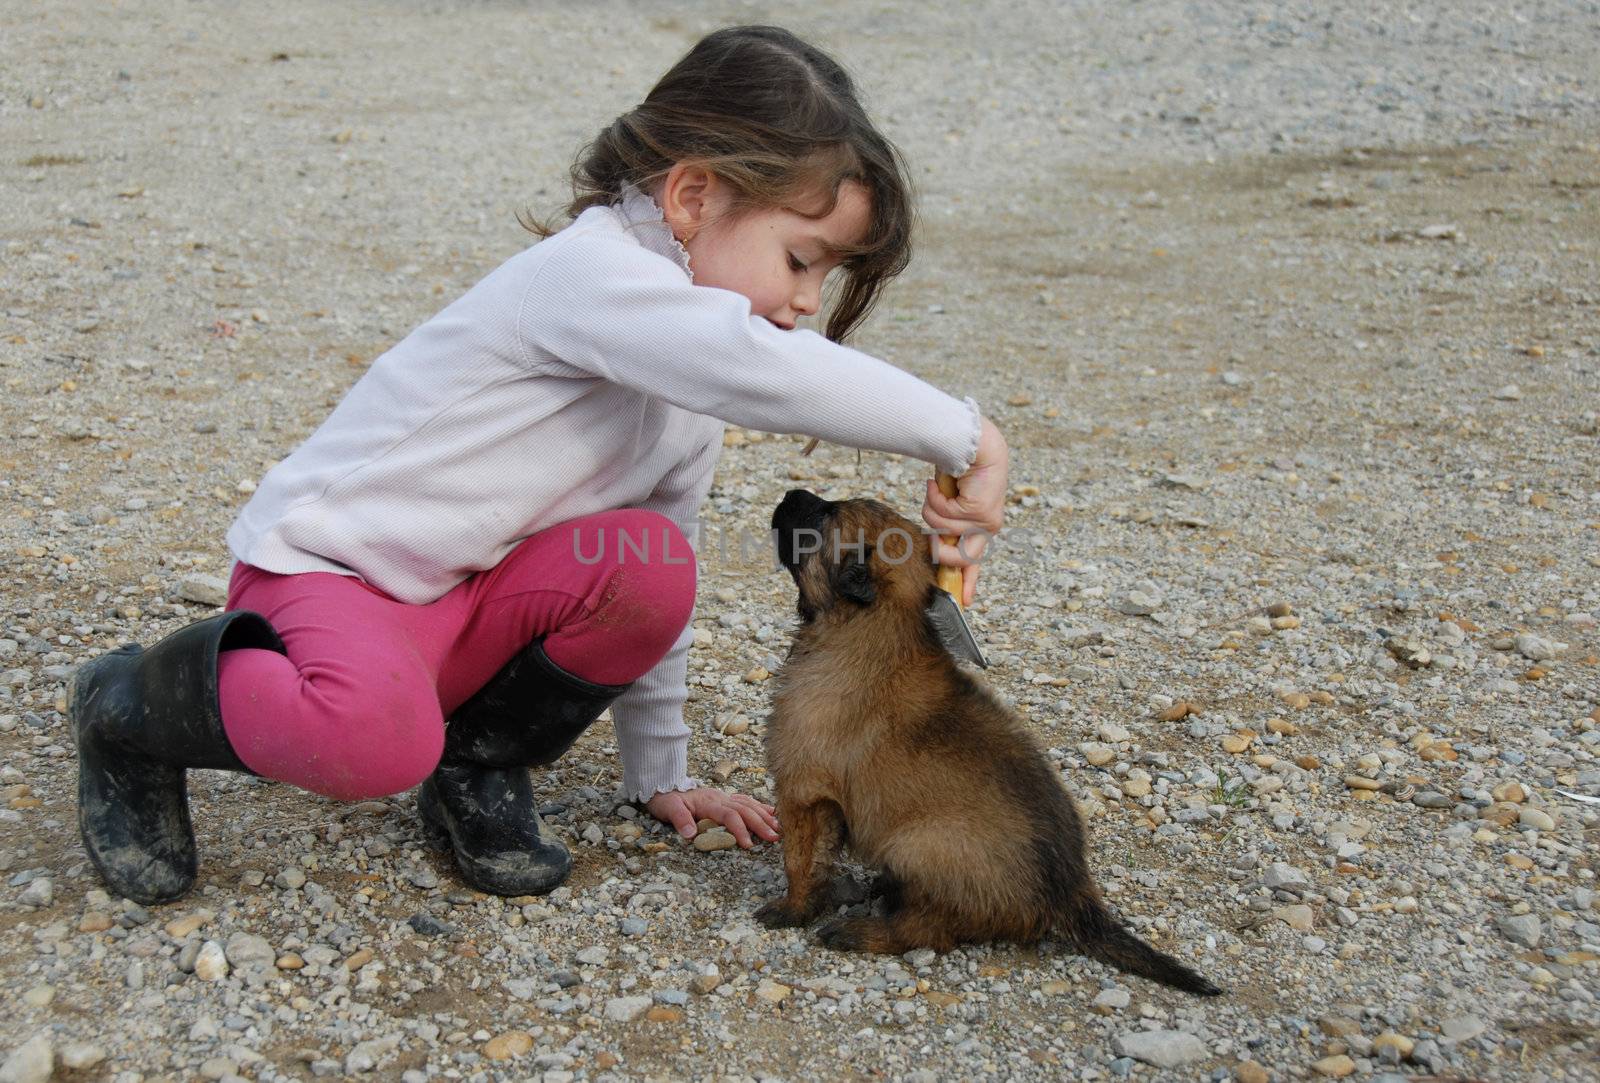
(775, 258)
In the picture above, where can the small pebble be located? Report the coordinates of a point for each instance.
(626, 1009)
(716, 838)
(212, 962)
(1335, 1067)
(40, 892)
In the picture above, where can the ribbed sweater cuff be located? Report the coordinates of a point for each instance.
(655, 756)
(970, 455)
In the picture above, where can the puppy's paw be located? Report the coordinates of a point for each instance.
(780, 914)
(888, 887)
(845, 934)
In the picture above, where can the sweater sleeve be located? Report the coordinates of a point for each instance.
(652, 738)
(610, 308)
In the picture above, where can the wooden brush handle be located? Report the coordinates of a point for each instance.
(949, 576)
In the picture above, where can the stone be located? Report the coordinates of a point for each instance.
(1411, 653)
(1524, 929)
(180, 928)
(592, 956)
(713, 839)
(772, 992)
(1298, 917)
(1162, 1048)
(1112, 733)
(702, 984)
(1284, 877)
(1398, 1042)
(365, 1056)
(1512, 792)
(1439, 752)
(661, 1013)
(1462, 1028)
(217, 1068)
(1338, 1026)
(206, 589)
(1249, 1071)
(247, 950)
(1097, 754)
(1534, 648)
(80, 1055)
(425, 924)
(1335, 1067)
(1111, 1000)
(40, 892)
(212, 962)
(626, 1009)
(31, 1062)
(508, 1046)
(1137, 603)
(95, 922)
(1537, 819)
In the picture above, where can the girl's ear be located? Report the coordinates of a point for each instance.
(688, 197)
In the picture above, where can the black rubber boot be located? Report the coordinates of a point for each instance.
(479, 801)
(140, 718)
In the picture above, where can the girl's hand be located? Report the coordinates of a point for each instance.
(976, 512)
(739, 813)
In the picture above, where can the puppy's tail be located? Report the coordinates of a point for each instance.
(1101, 936)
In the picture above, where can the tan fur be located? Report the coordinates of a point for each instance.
(878, 740)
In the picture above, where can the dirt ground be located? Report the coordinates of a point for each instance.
(1373, 369)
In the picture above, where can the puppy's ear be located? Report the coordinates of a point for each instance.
(853, 580)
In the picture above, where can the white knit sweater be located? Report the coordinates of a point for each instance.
(586, 373)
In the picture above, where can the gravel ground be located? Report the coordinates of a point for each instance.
(1290, 313)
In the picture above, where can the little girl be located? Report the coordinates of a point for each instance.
(485, 545)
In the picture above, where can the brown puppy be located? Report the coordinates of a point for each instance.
(878, 739)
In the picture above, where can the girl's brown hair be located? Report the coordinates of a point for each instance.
(778, 120)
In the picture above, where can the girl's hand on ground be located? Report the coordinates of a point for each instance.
(977, 511)
(741, 814)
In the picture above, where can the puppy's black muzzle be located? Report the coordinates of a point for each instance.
(798, 524)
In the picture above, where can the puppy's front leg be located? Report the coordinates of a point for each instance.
(812, 833)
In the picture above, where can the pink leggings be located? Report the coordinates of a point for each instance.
(357, 707)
